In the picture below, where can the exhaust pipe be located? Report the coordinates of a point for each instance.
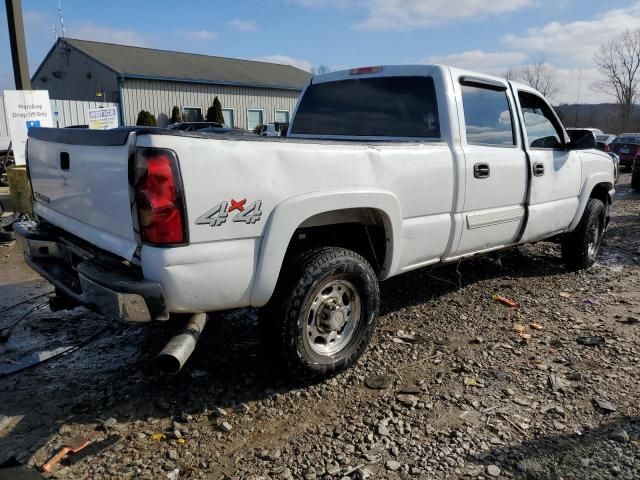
(176, 353)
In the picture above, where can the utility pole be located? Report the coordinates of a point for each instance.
(575, 122)
(18, 45)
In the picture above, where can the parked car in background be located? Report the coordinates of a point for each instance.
(626, 146)
(193, 126)
(589, 136)
(603, 141)
(272, 130)
(225, 130)
(6, 160)
(635, 173)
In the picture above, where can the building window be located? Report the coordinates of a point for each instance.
(282, 116)
(228, 115)
(254, 118)
(192, 114)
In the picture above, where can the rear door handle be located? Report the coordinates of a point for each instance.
(481, 170)
(538, 169)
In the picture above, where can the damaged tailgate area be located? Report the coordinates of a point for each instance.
(84, 275)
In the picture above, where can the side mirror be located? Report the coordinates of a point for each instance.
(582, 139)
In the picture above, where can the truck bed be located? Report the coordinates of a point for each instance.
(119, 136)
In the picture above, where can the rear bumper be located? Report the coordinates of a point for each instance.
(114, 291)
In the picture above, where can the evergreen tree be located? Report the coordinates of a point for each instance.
(217, 111)
(146, 119)
(214, 112)
(176, 117)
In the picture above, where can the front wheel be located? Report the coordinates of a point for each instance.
(323, 314)
(580, 248)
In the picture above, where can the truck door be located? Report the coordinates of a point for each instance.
(555, 170)
(495, 180)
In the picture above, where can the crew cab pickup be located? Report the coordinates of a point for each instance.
(383, 170)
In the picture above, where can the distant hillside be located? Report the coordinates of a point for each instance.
(600, 115)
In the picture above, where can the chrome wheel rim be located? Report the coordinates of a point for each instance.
(594, 239)
(333, 317)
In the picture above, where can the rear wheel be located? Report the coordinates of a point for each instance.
(580, 248)
(323, 313)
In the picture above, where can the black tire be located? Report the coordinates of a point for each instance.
(290, 322)
(635, 178)
(580, 248)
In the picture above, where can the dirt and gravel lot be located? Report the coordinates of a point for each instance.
(455, 384)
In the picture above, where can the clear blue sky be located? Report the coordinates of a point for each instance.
(485, 35)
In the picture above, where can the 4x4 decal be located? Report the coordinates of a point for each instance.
(219, 214)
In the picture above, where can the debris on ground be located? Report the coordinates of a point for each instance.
(605, 405)
(5, 421)
(71, 445)
(378, 382)
(619, 436)
(631, 320)
(504, 301)
(592, 341)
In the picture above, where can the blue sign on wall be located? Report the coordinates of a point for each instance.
(33, 123)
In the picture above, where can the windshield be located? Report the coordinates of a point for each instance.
(370, 107)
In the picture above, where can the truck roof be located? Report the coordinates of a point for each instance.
(409, 70)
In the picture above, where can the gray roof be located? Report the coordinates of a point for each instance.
(140, 62)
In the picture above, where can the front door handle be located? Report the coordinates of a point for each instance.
(538, 169)
(481, 170)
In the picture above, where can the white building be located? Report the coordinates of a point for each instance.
(136, 78)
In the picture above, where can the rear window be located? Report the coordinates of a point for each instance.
(370, 107)
(627, 139)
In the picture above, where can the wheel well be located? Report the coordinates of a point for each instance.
(601, 192)
(363, 230)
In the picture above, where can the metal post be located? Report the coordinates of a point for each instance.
(18, 45)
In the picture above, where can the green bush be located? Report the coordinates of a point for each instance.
(214, 112)
(146, 119)
(176, 117)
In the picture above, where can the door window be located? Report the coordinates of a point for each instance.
(543, 130)
(487, 116)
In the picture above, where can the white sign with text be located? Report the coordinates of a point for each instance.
(103, 118)
(25, 109)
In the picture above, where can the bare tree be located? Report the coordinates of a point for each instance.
(322, 69)
(510, 74)
(619, 63)
(541, 76)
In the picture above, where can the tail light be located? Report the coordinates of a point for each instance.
(364, 70)
(158, 197)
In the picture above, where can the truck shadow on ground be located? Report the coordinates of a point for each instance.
(590, 454)
(112, 377)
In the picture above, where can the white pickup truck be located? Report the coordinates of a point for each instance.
(384, 170)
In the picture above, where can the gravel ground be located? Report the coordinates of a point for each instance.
(454, 385)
